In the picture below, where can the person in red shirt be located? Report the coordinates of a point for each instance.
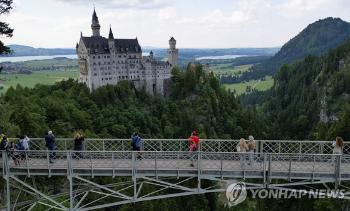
(194, 145)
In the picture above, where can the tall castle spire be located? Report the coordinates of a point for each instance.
(95, 25)
(110, 36)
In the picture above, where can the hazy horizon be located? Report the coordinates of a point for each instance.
(195, 24)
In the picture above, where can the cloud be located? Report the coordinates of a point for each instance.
(122, 4)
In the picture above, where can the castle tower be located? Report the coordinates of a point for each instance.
(173, 53)
(111, 43)
(95, 26)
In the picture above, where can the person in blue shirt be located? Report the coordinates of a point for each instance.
(136, 143)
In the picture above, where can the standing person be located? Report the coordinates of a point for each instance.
(338, 145)
(4, 144)
(78, 144)
(242, 147)
(136, 143)
(194, 145)
(14, 154)
(25, 142)
(251, 149)
(51, 146)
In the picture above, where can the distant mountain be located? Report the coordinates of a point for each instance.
(311, 95)
(186, 54)
(317, 39)
(22, 50)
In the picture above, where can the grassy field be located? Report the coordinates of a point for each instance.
(37, 77)
(260, 85)
(228, 69)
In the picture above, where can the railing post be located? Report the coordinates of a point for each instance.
(28, 173)
(199, 169)
(113, 165)
(133, 157)
(6, 170)
(337, 171)
(48, 162)
(264, 168)
(156, 164)
(221, 166)
(269, 173)
(103, 146)
(71, 197)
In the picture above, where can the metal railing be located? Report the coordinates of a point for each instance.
(178, 163)
(206, 145)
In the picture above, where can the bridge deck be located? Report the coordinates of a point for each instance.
(178, 164)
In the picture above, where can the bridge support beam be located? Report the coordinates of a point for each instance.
(8, 193)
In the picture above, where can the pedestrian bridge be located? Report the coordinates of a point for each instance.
(163, 170)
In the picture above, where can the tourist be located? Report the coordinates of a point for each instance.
(51, 146)
(14, 154)
(25, 142)
(136, 143)
(251, 149)
(78, 144)
(242, 148)
(194, 146)
(338, 145)
(4, 142)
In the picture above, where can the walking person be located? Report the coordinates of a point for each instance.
(242, 147)
(251, 149)
(78, 144)
(136, 143)
(51, 145)
(194, 146)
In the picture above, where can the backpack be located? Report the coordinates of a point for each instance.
(19, 145)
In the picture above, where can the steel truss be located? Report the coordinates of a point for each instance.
(86, 193)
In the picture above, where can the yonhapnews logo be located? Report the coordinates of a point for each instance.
(236, 193)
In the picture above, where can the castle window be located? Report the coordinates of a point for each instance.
(93, 57)
(98, 57)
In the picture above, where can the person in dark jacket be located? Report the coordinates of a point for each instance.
(4, 144)
(51, 145)
(136, 143)
(78, 144)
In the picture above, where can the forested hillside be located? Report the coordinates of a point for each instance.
(197, 102)
(318, 38)
(311, 98)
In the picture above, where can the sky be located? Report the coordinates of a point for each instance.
(193, 23)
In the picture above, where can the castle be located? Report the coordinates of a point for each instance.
(105, 61)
